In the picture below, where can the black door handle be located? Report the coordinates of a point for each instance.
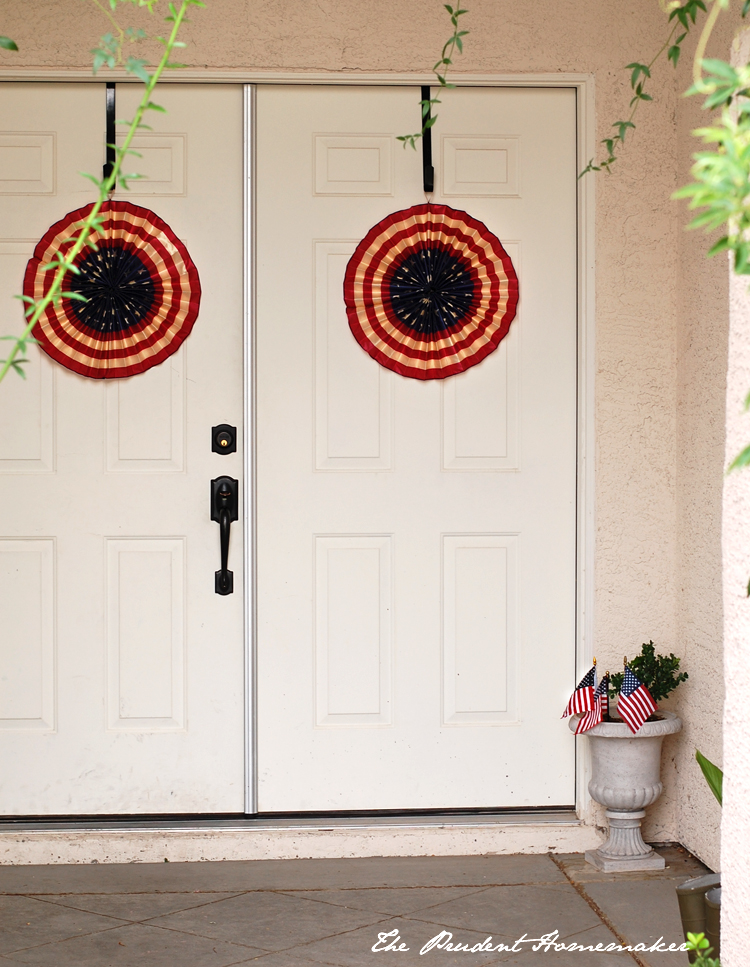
(224, 510)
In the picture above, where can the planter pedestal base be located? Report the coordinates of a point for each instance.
(621, 864)
(625, 849)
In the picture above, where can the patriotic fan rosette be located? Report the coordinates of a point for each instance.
(141, 288)
(430, 292)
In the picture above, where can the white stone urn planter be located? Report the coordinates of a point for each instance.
(625, 779)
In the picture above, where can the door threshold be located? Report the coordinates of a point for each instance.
(43, 840)
(324, 822)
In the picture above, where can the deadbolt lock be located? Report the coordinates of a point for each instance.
(224, 438)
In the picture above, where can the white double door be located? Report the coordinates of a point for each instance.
(121, 670)
(416, 541)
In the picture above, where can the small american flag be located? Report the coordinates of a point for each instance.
(582, 699)
(600, 709)
(635, 703)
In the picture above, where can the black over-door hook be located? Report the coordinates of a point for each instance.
(224, 510)
(428, 172)
(110, 132)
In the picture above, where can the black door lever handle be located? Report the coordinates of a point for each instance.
(224, 510)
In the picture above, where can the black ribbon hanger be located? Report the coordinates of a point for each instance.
(110, 133)
(428, 172)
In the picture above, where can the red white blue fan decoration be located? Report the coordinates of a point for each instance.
(430, 292)
(141, 286)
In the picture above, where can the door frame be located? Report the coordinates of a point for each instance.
(583, 84)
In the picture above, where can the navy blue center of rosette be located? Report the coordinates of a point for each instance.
(118, 288)
(432, 291)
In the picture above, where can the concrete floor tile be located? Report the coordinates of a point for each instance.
(26, 922)
(315, 913)
(137, 907)
(284, 958)
(122, 878)
(270, 921)
(354, 949)
(396, 902)
(235, 877)
(643, 911)
(135, 945)
(511, 911)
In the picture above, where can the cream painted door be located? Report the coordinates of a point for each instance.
(121, 671)
(416, 540)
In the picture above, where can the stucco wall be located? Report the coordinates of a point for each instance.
(660, 309)
(702, 334)
(735, 852)
(735, 855)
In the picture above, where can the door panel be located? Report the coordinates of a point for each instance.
(416, 539)
(121, 688)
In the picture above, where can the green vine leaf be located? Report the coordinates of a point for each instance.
(7, 44)
(637, 69)
(673, 53)
(687, 12)
(107, 53)
(135, 65)
(622, 127)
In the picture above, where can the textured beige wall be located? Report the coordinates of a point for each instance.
(661, 325)
(702, 334)
(735, 853)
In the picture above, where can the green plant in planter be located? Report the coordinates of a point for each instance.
(659, 673)
(698, 943)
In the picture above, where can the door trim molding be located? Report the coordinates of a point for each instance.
(586, 523)
(352, 78)
(585, 518)
(249, 530)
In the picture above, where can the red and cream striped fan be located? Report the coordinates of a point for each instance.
(430, 292)
(141, 287)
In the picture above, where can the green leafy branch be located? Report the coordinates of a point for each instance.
(110, 51)
(721, 175)
(64, 261)
(680, 17)
(440, 70)
(7, 44)
(698, 943)
(659, 673)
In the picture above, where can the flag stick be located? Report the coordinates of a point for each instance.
(607, 717)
